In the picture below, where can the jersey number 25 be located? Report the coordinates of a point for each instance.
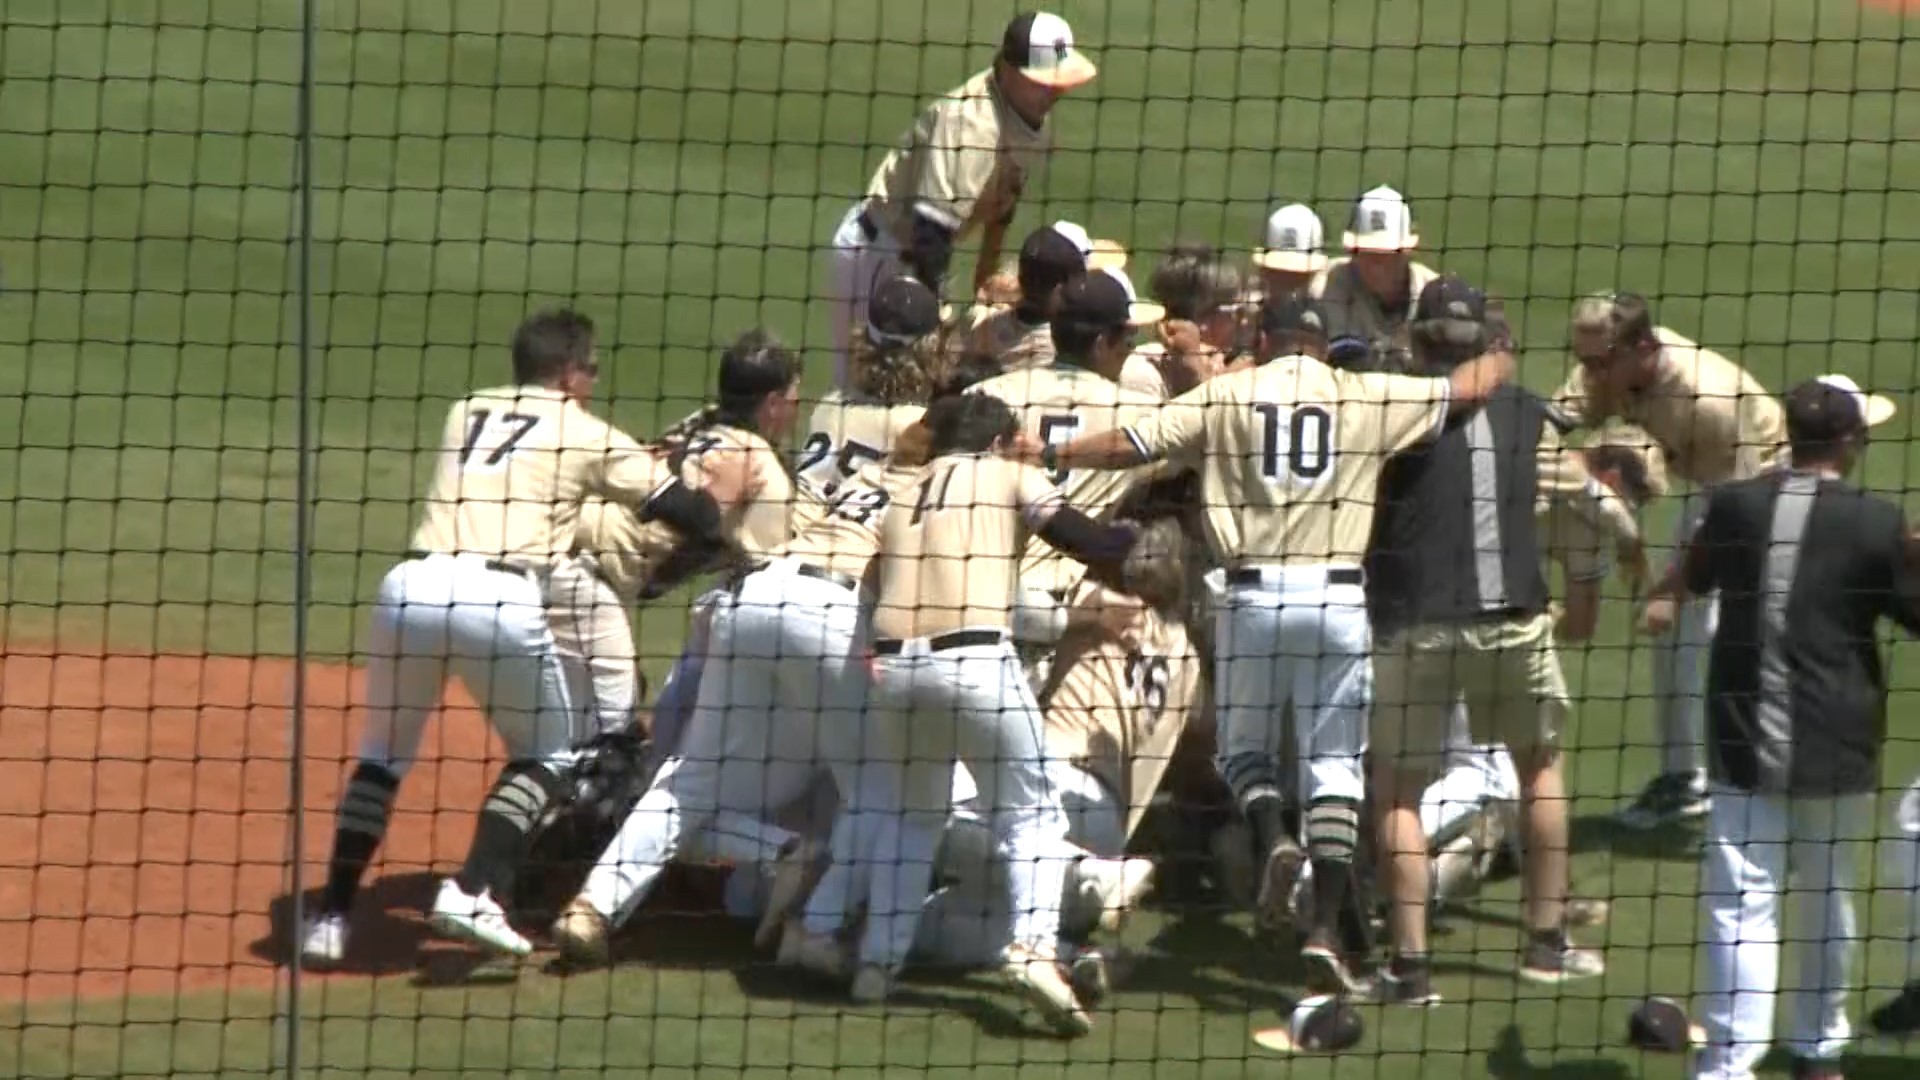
(1300, 440)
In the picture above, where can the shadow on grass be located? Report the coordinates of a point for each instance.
(1508, 1061)
(1599, 832)
(387, 928)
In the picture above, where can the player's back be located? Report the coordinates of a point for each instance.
(514, 465)
(841, 533)
(1057, 404)
(846, 433)
(949, 546)
(1118, 707)
(1294, 450)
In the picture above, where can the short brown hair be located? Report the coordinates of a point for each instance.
(549, 342)
(1625, 318)
(1194, 281)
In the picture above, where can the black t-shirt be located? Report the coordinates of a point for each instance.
(1805, 568)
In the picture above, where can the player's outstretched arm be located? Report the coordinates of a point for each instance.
(1473, 382)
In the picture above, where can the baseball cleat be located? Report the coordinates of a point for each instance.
(1278, 883)
(1327, 970)
(581, 932)
(324, 945)
(1091, 977)
(1667, 799)
(1037, 975)
(478, 919)
(818, 953)
(1550, 958)
(1113, 887)
(794, 874)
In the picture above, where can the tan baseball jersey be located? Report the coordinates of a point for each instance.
(1141, 373)
(515, 464)
(841, 533)
(1117, 709)
(629, 550)
(1057, 404)
(1289, 454)
(1016, 344)
(1352, 310)
(847, 433)
(1712, 419)
(964, 146)
(950, 545)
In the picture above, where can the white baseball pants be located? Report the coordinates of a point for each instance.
(1680, 664)
(1295, 637)
(453, 615)
(858, 263)
(1476, 775)
(1761, 849)
(972, 703)
(595, 639)
(779, 698)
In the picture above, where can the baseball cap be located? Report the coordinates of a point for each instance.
(1295, 313)
(1106, 298)
(1381, 222)
(1450, 297)
(1098, 254)
(1318, 1024)
(1874, 409)
(1049, 257)
(1294, 239)
(1661, 1025)
(901, 311)
(1041, 46)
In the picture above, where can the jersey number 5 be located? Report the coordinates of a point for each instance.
(1058, 430)
(1303, 436)
(491, 439)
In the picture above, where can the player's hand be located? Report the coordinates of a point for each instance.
(1119, 617)
(1658, 616)
(1180, 336)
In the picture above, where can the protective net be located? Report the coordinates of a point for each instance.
(242, 311)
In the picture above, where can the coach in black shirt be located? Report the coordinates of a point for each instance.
(1806, 566)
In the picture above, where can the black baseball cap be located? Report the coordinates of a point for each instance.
(902, 311)
(1660, 1025)
(1296, 312)
(1048, 259)
(1450, 297)
(1095, 299)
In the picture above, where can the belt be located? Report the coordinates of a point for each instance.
(818, 573)
(500, 565)
(868, 228)
(1339, 575)
(958, 639)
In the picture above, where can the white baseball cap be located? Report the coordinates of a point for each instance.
(1040, 45)
(1874, 409)
(1294, 239)
(1099, 254)
(1381, 222)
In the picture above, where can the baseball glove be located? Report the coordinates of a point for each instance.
(602, 787)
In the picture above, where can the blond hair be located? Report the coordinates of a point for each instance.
(1624, 318)
(902, 374)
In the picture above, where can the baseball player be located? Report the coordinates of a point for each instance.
(779, 699)
(1369, 294)
(948, 685)
(960, 169)
(896, 357)
(1206, 325)
(1289, 454)
(1714, 423)
(491, 553)
(756, 407)
(1020, 336)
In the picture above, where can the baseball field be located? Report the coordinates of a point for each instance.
(672, 167)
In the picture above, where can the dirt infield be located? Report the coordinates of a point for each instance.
(144, 820)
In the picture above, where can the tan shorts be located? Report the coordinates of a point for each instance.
(1508, 674)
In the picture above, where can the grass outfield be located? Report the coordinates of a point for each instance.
(670, 166)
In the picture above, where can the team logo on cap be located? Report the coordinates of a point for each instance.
(1290, 238)
(1377, 221)
(1062, 48)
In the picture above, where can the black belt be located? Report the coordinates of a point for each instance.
(818, 573)
(501, 565)
(958, 639)
(867, 227)
(1339, 575)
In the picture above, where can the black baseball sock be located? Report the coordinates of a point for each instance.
(514, 808)
(1333, 832)
(365, 807)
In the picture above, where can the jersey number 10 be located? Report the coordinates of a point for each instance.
(1303, 437)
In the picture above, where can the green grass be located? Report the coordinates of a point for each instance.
(670, 166)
